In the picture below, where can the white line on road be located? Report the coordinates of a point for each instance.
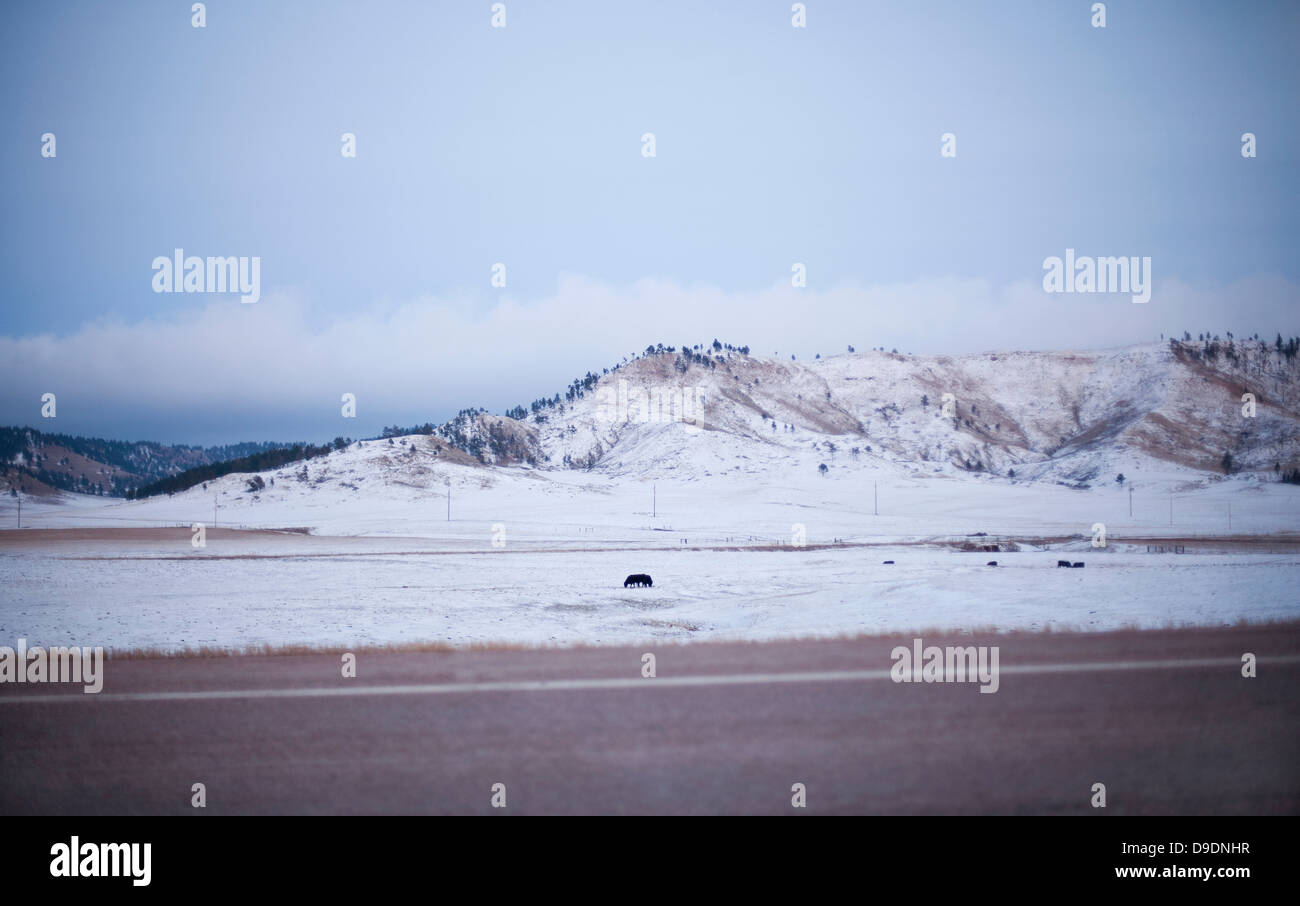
(663, 682)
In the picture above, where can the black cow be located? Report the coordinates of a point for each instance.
(991, 563)
(1060, 563)
(1078, 566)
(888, 563)
(637, 579)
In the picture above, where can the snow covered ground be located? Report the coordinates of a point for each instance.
(383, 564)
(707, 488)
(565, 597)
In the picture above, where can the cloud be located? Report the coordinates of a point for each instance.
(255, 367)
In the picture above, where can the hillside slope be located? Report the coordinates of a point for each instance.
(1070, 417)
(41, 463)
(1075, 418)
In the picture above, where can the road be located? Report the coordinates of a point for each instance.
(1163, 718)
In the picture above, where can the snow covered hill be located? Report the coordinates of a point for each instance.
(716, 419)
(1073, 417)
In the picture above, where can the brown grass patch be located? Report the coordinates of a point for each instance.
(935, 632)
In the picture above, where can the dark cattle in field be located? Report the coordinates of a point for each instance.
(1060, 563)
(637, 579)
(1078, 566)
(991, 563)
(888, 563)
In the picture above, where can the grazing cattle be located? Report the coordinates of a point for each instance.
(1078, 566)
(637, 579)
(991, 563)
(888, 563)
(1060, 563)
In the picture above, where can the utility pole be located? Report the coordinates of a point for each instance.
(20, 510)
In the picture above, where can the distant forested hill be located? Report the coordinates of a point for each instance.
(36, 461)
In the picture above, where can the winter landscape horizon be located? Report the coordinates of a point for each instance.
(766, 493)
(674, 408)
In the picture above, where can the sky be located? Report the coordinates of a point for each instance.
(523, 145)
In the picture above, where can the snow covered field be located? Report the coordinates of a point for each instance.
(577, 597)
(705, 488)
(384, 565)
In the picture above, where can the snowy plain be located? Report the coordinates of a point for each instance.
(538, 557)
